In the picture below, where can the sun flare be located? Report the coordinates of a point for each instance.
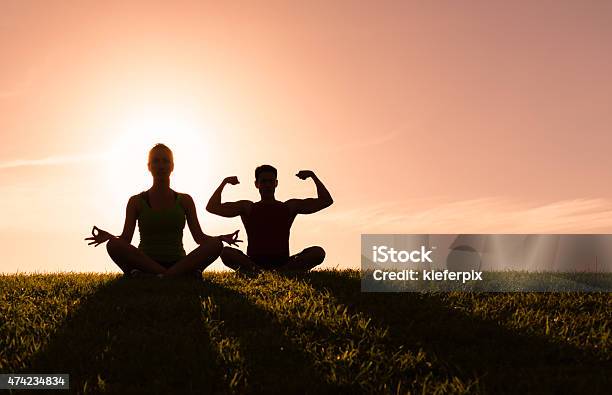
(182, 133)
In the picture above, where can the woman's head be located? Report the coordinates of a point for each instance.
(161, 161)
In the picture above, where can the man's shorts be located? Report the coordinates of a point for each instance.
(273, 262)
(270, 262)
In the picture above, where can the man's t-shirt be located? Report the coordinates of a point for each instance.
(267, 228)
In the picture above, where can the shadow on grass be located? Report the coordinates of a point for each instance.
(506, 361)
(148, 336)
(133, 335)
(273, 362)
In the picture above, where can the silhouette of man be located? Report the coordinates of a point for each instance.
(268, 223)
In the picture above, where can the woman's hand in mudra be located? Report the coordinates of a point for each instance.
(231, 239)
(99, 236)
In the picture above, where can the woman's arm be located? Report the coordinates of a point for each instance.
(99, 236)
(194, 225)
(131, 214)
(192, 219)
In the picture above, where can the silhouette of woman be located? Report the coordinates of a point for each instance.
(161, 214)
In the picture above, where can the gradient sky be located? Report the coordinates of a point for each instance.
(445, 117)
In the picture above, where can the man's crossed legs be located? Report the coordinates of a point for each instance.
(303, 261)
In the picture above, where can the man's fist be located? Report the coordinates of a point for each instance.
(304, 174)
(231, 180)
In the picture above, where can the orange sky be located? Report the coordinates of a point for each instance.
(441, 117)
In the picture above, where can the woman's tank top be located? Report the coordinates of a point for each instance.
(161, 231)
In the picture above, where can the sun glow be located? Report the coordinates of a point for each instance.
(127, 168)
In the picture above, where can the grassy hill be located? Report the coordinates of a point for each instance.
(314, 333)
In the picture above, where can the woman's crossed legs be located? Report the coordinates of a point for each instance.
(128, 257)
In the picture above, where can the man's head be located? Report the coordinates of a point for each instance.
(265, 180)
(161, 161)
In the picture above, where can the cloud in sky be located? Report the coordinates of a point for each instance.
(484, 215)
(51, 160)
(376, 139)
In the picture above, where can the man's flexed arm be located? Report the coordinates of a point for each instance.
(309, 206)
(228, 209)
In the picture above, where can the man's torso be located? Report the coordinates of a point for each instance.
(268, 227)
